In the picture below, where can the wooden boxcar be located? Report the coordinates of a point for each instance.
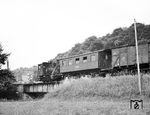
(126, 56)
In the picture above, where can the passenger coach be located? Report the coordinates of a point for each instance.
(87, 63)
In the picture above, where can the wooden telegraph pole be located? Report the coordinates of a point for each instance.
(137, 59)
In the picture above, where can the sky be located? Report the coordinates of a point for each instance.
(35, 31)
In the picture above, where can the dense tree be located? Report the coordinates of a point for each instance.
(3, 56)
(6, 80)
(97, 45)
(119, 37)
(7, 89)
(117, 32)
(85, 47)
(76, 49)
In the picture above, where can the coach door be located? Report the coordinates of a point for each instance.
(105, 59)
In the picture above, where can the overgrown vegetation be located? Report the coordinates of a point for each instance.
(7, 89)
(109, 87)
(119, 37)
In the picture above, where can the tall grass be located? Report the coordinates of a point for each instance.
(111, 87)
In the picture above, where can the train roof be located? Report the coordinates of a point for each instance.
(127, 45)
(82, 54)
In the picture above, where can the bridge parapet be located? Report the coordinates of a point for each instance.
(37, 87)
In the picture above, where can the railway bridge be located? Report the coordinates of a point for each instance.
(36, 89)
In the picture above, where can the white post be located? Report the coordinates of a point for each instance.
(137, 58)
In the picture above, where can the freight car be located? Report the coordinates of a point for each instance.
(113, 61)
(124, 59)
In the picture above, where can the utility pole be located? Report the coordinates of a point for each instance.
(137, 59)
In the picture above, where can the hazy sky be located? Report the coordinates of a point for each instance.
(34, 31)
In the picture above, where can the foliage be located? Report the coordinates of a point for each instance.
(96, 45)
(119, 37)
(76, 49)
(6, 79)
(7, 89)
(3, 56)
(108, 87)
(85, 47)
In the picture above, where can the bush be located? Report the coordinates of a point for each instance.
(111, 87)
(7, 89)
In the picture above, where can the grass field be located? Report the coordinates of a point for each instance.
(85, 96)
(72, 107)
(124, 87)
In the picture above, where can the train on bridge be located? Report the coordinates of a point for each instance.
(102, 62)
(97, 63)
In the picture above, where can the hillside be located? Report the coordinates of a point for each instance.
(119, 37)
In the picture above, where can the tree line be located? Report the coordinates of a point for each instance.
(7, 79)
(119, 37)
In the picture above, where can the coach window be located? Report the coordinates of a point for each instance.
(93, 58)
(84, 59)
(70, 62)
(77, 60)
